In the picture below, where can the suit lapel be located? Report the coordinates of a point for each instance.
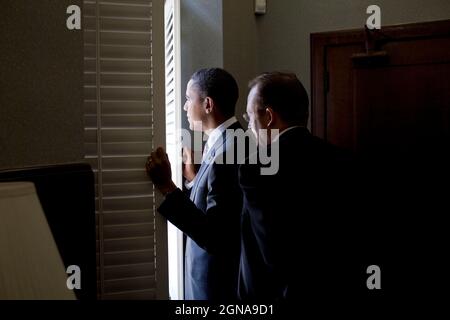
(210, 158)
(203, 167)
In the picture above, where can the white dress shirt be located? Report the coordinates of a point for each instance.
(212, 139)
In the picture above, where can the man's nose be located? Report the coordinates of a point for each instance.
(185, 106)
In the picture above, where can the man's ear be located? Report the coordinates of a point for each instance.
(208, 105)
(271, 117)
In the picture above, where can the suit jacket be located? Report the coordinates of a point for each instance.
(293, 216)
(211, 220)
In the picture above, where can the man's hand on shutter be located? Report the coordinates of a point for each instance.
(158, 169)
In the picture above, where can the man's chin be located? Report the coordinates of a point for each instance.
(191, 126)
(194, 127)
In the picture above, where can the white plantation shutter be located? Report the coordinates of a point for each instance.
(173, 141)
(118, 139)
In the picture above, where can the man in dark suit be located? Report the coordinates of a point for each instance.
(210, 217)
(291, 215)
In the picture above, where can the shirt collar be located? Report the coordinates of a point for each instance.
(217, 132)
(283, 132)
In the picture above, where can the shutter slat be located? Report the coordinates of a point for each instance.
(118, 51)
(127, 2)
(127, 244)
(111, 218)
(90, 92)
(124, 38)
(140, 134)
(127, 216)
(128, 257)
(120, 285)
(89, 37)
(124, 65)
(130, 79)
(124, 231)
(122, 271)
(90, 121)
(123, 11)
(89, 22)
(126, 93)
(133, 295)
(118, 107)
(89, 65)
(123, 176)
(89, 78)
(127, 203)
(121, 123)
(128, 189)
(126, 148)
(140, 25)
(119, 162)
(89, 8)
(90, 51)
(125, 162)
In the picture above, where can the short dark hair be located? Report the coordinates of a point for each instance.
(285, 94)
(220, 86)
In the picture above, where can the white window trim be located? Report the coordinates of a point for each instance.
(159, 138)
(175, 236)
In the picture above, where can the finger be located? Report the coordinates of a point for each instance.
(150, 164)
(187, 150)
(160, 152)
(152, 157)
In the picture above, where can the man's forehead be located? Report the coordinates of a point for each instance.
(253, 93)
(191, 86)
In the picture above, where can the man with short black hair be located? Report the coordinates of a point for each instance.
(211, 216)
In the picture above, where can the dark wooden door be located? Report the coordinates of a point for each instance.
(386, 96)
(385, 92)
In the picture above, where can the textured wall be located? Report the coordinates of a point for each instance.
(41, 84)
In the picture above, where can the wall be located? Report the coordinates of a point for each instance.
(284, 32)
(217, 33)
(201, 39)
(240, 46)
(227, 33)
(41, 84)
